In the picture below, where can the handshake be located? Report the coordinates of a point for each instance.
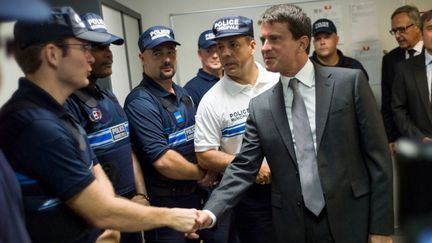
(188, 221)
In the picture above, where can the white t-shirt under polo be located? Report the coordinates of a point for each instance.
(221, 117)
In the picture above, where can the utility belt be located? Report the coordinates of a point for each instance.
(173, 191)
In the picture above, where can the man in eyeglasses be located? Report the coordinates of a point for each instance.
(67, 196)
(405, 26)
(411, 101)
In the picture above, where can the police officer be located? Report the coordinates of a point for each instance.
(100, 114)
(63, 185)
(162, 119)
(12, 225)
(325, 40)
(221, 119)
(211, 70)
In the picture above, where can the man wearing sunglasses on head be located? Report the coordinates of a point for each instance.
(405, 27)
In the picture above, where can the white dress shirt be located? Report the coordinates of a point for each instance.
(418, 48)
(428, 63)
(306, 77)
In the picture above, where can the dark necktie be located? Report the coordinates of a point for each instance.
(411, 53)
(306, 158)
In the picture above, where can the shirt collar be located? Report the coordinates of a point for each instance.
(306, 75)
(428, 58)
(30, 91)
(314, 58)
(158, 90)
(233, 88)
(207, 76)
(94, 92)
(418, 47)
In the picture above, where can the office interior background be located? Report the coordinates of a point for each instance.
(188, 18)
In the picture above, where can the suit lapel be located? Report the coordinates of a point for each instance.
(324, 85)
(421, 83)
(277, 108)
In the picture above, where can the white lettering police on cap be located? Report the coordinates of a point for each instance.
(209, 36)
(322, 24)
(227, 24)
(78, 20)
(96, 23)
(158, 33)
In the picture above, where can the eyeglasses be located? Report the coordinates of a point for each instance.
(82, 47)
(401, 30)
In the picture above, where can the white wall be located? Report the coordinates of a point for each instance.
(158, 12)
(9, 70)
(119, 77)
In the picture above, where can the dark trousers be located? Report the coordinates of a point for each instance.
(317, 228)
(165, 234)
(253, 216)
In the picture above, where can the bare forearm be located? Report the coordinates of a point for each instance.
(102, 178)
(127, 216)
(214, 160)
(138, 175)
(175, 166)
(108, 212)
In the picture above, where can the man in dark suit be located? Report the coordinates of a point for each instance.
(412, 90)
(405, 26)
(349, 185)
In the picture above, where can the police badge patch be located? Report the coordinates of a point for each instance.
(95, 114)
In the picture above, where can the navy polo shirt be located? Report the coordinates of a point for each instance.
(107, 130)
(154, 129)
(12, 225)
(199, 85)
(50, 161)
(344, 62)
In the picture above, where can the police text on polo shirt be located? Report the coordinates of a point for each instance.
(237, 115)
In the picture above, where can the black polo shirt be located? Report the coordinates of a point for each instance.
(344, 62)
(199, 85)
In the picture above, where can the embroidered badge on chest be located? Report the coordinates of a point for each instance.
(178, 116)
(95, 115)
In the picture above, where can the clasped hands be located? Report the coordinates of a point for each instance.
(189, 221)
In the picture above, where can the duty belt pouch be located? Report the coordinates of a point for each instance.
(54, 224)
